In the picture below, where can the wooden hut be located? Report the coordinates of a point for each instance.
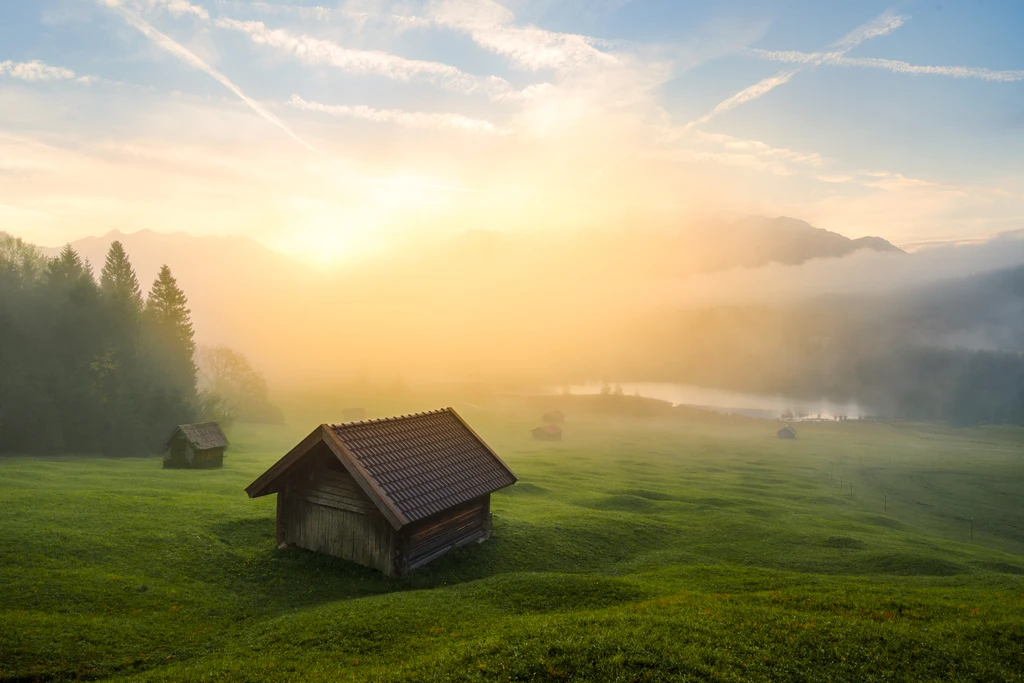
(786, 432)
(353, 414)
(553, 416)
(548, 433)
(392, 494)
(196, 446)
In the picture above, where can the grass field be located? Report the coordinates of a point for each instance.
(677, 546)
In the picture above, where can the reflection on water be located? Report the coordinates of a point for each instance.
(751, 405)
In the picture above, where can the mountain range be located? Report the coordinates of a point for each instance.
(470, 303)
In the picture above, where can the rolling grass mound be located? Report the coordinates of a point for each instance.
(623, 503)
(661, 548)
(523, 593)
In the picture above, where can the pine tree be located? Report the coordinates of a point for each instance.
(173, 395)
(73, 339)
(119, 284)
(68, 268)
(168, 314)
(121, 370)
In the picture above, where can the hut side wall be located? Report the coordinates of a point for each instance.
(432, 537)
(321, 508)
(209, 458)
(182, 455)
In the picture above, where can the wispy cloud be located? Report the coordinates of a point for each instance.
(792, 57)
(316, 51)
(168, 44)
(320, 13)
(492, 27)
(879, 26)
(175, 8)
(38, 71)
(179, 8)
(728, 150)
(408, 119)
(759, 89)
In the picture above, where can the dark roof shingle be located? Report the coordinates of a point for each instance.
(424, 463)
(203, 435)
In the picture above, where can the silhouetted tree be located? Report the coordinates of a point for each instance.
(120, 369)
(87, 367)
(171, 346)
(242, 391)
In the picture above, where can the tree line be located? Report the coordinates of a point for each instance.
(91, 365)
(901, 357)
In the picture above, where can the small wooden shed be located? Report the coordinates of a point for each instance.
(196, 446)
(548, 433)
(553, 416)
(392, 493)
(786, 432)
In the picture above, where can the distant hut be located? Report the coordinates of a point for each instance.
(196, 446)
(548, 433)
(553, 416)
(391, 494)
(353, 414)
(786, 432)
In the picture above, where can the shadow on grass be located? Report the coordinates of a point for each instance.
(275, 579)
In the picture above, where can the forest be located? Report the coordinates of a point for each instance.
(91, 365)
(948, 351)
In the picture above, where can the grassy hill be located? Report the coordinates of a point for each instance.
(673, 546)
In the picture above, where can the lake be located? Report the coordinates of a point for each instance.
(731, 402)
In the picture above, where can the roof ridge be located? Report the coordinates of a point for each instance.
(392, 418)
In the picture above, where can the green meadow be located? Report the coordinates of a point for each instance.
(655, 544)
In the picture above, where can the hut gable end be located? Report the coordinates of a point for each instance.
(411, 467)
(195, 446)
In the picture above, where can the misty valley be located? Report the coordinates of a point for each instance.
(837, 496)
(512, 341)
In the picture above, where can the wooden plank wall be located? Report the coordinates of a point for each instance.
(325, 511)
(349, 535)
(434, 536)
(338, 490)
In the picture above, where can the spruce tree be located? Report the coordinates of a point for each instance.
(118, 282)
(122, 369)
(173, 396)
(73, 340)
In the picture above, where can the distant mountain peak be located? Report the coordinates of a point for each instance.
(876, 244)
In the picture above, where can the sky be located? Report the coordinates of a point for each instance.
(335, 130)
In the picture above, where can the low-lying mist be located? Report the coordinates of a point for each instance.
(769, 306)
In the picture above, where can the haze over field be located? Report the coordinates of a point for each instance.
(336, 131)
(753, 197)
(449, 341)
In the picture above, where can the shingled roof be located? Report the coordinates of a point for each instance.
(202, 436)
(411, 466)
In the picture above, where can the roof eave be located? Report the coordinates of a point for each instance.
(363, 478)
(261, 486)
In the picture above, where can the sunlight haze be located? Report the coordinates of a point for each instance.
(336, 131)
